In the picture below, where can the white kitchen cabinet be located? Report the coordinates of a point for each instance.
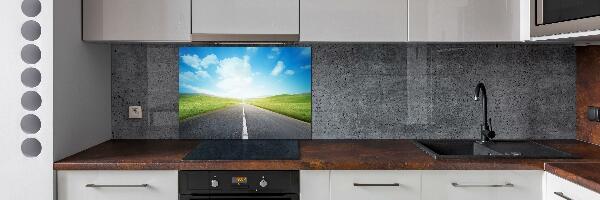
(136, 20)
(354, 20)
(560, 189)
(314, 184)
(375, 185)
(478, 185)
(468, 20)
(244, 20)
(117, 185)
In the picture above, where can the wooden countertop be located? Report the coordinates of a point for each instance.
(331, 155)
(314, 155)
(584, 174)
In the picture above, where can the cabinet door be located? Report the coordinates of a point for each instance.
(469, 20)
(136, 20)
(354, 20)
(561, 189)
(314, 185)
(478, 185)
(375, 185)
(243, 20)
(117, 185)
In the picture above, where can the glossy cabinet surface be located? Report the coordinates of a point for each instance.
(375, 185)
(136, 20)
(477, 185)
(354, 20)
(468, 20)
(314, 184)
(560, 189)
(245, 17)
(117, 185)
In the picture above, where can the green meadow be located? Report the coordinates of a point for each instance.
(297, 106)
(191, 105)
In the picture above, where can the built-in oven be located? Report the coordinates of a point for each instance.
(237, 185)
(552, 17)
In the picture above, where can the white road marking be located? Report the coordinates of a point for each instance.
(244, 129)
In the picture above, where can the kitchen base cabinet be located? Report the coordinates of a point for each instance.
(482, 185)
(117, 185)
(314, 184)
(375, 185)
(560, 189)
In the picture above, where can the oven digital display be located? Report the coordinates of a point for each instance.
(239, 180)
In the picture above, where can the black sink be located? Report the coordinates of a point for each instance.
(470, 149)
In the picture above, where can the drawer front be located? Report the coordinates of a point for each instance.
(362, 185)
(560, 189)
(117, 185)
(477, 185)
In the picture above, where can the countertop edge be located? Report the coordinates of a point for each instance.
(576, 178)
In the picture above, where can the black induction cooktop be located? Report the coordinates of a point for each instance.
(245, 150)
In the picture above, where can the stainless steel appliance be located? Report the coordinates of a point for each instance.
(234, 185)
(552, 17)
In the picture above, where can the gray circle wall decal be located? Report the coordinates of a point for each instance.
(31, 124)
(31, 147)
(31, 77)
(31, 30)
(31, 8)
(31, 54)
(31, 100)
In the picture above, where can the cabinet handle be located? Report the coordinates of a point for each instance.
(562, 195)
(504, 185)
(115, 186)
(376, 184)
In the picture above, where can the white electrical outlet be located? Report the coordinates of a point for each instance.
(135, 112)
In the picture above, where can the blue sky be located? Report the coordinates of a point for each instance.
(244, 72)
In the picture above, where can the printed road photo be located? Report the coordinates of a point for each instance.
(245, 92)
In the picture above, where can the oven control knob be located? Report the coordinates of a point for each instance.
(214, 183)
(263, 183)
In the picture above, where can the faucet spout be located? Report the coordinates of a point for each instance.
(480, 94)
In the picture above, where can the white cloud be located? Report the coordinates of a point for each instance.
(235, 75)
(252, 49)
(191, 60)
(191, 76)
(305, 67)
(279, 67)
(202, 74)
(208, 60)
(196, 62)
(275, 51)
(289, 72)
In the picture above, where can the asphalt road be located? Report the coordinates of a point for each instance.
(228, 124)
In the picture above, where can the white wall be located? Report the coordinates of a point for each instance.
(21, 177)
(82, 110)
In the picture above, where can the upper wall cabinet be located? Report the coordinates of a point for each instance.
(244, 20)
(354, 20)
(468, 20)
(136, 20)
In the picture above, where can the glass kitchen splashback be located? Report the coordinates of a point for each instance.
(245, 92)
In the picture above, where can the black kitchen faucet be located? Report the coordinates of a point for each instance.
(487, 134)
